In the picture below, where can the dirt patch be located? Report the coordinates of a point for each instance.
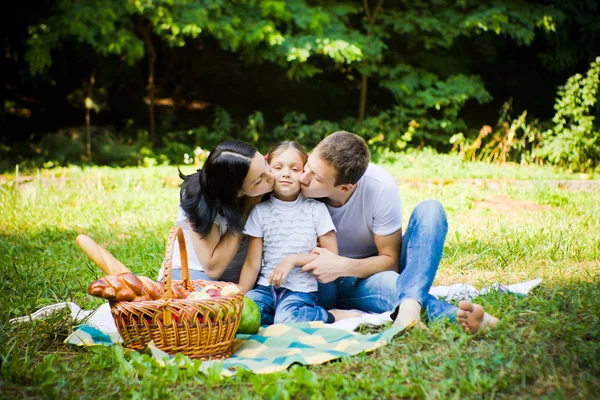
(507, 205)
(500, 183)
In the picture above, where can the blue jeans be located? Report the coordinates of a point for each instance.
(422, 247)
(280, 305)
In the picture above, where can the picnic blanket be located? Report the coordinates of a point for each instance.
(272, 349)
(276, 347)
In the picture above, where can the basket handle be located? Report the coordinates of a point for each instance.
(175, 233)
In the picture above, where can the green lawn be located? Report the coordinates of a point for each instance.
(547, 345)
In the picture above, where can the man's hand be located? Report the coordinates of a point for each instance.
(327, 267)
(280, 272)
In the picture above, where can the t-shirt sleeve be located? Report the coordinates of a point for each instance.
(253, 224)
(181, 220)
(323, 221)
(387, 218)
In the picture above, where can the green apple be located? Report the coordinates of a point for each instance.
(198, 296)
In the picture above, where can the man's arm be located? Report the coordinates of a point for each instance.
(277, 278)
(328, 266)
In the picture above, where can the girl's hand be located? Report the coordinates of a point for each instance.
(280, 272)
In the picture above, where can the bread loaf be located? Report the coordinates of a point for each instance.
(100, 256)
(129, 287)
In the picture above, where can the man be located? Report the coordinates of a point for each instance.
(378, 269)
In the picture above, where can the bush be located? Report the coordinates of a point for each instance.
(63, 148)
(575, 139)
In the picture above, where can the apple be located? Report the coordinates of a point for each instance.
(198, 296)
(214, 292)
(230, 290)
(209, 287)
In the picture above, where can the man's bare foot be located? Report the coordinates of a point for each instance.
(344, 314)
(409, 315)
(472, 317)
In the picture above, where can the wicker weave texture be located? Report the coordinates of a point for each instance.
(201, 329)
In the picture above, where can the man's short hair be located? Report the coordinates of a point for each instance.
(347, 153)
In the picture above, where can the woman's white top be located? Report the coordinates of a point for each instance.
(231, 274)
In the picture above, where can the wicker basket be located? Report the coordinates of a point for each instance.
(201, 329)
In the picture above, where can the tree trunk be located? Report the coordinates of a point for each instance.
(364, 78)
(88, 111)
(363, 97)
(88, 134)
(146, 32)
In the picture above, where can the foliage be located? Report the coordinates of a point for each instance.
(511, 140)
(414, 68)
(402, 46)
(575, 139)
(428, 104)
(576, 37)
(288, 34)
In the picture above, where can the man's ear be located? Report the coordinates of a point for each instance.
(347, 187)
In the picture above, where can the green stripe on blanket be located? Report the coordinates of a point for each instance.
(273, 348)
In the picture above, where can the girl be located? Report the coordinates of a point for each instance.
(283, 231)
(214, 205)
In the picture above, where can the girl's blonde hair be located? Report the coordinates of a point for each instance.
(283, 146)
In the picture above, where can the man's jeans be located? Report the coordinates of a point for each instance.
(280, 305)
(422, 247)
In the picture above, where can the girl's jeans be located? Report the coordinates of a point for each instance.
(280, 305)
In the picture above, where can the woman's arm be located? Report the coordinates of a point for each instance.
(252, 265)
(214, 251)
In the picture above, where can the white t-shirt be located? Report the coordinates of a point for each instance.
(232, 272)
(373, 209)
(288, 227)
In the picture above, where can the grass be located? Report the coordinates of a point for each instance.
(547, 344)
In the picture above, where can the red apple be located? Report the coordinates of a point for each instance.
(214, 292)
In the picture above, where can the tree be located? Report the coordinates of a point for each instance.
(285, 33)
(416, 65)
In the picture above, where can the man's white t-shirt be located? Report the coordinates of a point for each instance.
(231, 274)
(373, 209)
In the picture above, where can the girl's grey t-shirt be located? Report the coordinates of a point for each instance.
(373, 209)
(233, 270)
(288, 227)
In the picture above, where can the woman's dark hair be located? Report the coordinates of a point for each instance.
(214, 189)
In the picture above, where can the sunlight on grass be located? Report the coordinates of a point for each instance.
(546, 345)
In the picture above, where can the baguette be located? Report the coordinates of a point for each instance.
(129, 287)
(100, 256)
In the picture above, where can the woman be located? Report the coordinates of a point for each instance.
(214, 205)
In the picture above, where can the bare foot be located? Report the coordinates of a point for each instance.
(472, 317)
(409, 315)
(344, 314)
